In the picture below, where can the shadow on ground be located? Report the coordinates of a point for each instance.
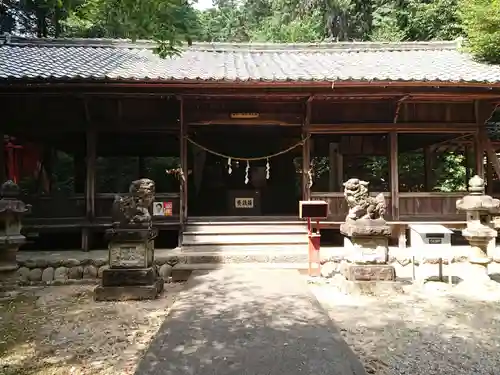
(248, 322)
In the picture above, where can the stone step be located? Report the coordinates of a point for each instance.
(214, 266)
(242, 239)
(235, 220)
(247, 228)
(244, 248)
(181, 272)
(236, 256)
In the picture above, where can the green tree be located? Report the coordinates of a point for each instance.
(481, 22)
(41, 18)
(227, 23)
(168, 22)
(414, 20)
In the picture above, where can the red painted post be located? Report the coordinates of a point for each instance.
(12, 161)
(314, 240)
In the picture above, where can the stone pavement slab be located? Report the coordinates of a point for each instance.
(248, 322)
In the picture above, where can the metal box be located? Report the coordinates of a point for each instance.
(430, 237)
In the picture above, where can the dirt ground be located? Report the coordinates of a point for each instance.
(60, 330)
(433, 329)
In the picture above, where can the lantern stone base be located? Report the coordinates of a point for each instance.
(478, 255)
(9, 245)
(8, 261)
(128, 292)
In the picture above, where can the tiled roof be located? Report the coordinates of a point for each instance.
(121, 60)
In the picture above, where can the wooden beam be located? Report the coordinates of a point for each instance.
(197, 84)
(394, 174)
(306, 153)
(439, 127)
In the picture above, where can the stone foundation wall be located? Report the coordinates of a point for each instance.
(68, 271)
(402, 262)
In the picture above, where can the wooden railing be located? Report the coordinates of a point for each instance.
(56, 206)
(412, 206)
(73, 206)
(104, 202)
(434, 206)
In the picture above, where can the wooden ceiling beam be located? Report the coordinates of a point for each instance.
(440, 127)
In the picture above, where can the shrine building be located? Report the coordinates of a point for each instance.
(240, 133)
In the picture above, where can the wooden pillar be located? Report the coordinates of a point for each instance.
(489, 176)
(47, 166)
(79, 171)
(478, 140)
(467, 159)
(306, 153)
(142, 167)
(429, 165)
(394, 174)
(336, 168)
(478, 156)
(90, 184)
(184, 164)
(3, 174)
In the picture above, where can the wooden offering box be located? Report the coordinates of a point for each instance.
(313, 209)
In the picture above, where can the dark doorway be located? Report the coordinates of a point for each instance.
(222, 186)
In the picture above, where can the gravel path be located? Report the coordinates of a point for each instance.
(433, 329)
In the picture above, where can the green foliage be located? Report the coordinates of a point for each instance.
(168, 22)
(481, 22)
(415, 20)
(299, 30)
(41, 18)
(451, 172)
(226, 24)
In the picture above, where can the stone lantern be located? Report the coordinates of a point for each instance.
(11, 212)
(480, 232)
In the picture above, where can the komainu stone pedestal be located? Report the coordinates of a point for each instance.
(368, 272)
(367, 243)
(366, 236)
(131, 274)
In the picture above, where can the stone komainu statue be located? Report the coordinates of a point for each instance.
(133, 210)
(361, 204)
